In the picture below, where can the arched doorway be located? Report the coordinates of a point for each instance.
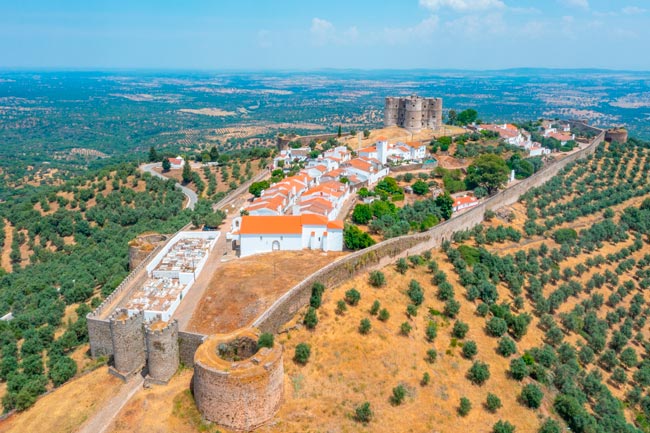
(275, 246)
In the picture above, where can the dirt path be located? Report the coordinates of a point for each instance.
(6, 250)
(103, 418)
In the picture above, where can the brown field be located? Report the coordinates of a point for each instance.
(394, 134)
(66, 408)
(242, 289)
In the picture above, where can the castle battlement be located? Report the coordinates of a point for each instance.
(413, 112)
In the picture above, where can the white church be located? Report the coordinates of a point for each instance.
(264, 234)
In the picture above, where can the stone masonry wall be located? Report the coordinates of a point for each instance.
(381, 254)
(188, 342)
(162, 351)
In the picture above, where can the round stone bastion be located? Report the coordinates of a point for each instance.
(235, 384)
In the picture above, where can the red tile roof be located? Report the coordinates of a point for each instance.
(270, 225)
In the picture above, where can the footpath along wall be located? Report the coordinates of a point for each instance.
(383, 253)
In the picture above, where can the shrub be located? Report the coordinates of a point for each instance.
(411, 310)
(265, 340)
(377, 279)
(482, 309)
(352, 297)
(399, 392)
(375, 307)
(432, 355)
(415, 292)
(316, 295)
(493, 403)
(402, 265)
(503, 427)
(384, 315)
(469, 349)
(311, 318)
(445, 291)
(425, 379)
(565, 236)
(452, 307)
(464, 407)
(506, 346)
(302, 354)
(496, 327)
(405, 328)
(460, 329)
(341, 307)
(531, 396)
(365, 326)
(478, 373)
(362, 413)
(550, 426)
(431, 331)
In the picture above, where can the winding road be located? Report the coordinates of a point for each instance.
(191, 195)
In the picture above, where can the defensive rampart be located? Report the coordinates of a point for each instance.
(385, 252)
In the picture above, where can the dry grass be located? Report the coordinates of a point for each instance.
(242, 289)
(66, 408)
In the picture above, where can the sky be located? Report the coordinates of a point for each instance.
(310, 34)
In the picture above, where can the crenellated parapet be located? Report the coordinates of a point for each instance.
(162, 349)
(127, 336)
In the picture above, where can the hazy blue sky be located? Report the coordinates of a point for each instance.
(307, 34)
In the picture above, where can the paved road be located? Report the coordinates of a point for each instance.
(103, 418)
(191, 195)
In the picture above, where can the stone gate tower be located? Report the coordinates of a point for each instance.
(413, 113)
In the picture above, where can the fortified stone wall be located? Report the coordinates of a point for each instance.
(413, 112)
(162, 351)
(238, 394)
(379, 255)
(188, 342)
(128, 341)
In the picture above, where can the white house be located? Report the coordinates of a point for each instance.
(367, 170)
(464, 202)
(264, 234)
(177, 162)
(509, 133)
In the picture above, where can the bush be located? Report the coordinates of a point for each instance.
(460, 329)
(365, 326)
(352, 297)
(302, 354)
(405, 328)
(493, 403)
(432, 355)
(399, 392)
(316, 295)
(506, 346)
(265, 340)
(469, 349)
(445, 291)
(452, 307)
(384, 315)
(531, 396)
(411, 310)
(341, 307)
(565, 236)
(550, 426)
(375, 307)
(425, 379)
(362, 413)
(377, 279)
(496, 327)
(482, 309)
(402, 266)
(464, 407)
(311, 318)
(355, 239)
(503, 427)
(431, 331)
(478, 373)
(415, 292)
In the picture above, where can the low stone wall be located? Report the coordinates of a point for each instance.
(188, 342)
(381, 254)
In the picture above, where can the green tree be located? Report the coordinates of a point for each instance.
(446, 205)
(377, 279)
(365, 326)
(452, 117)
(531, 396)
(340, 132)
(469, 349)
(467, 117)
(488, 171)
(311, 318)
(187, 172)
(493, 403)
(405, 328)
(464, 407)
(460, 329)
(506, 346)
(153, 155)
(375, 307)
(362, 214)
(402, 265)
(420, 187)
(355, 239)
(550, 426)
(166, 165)
(503, 427)
(256, 188)
(352, 296)
(399, 393)
(302, 353)
(384, 315)
(478, 373)
(214, 153)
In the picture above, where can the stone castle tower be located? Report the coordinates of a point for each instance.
(413, 112)
(162, 350)
(128, 342)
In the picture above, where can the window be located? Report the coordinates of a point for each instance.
(260, 237)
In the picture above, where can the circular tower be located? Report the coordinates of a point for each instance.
(162, 349)
(437, 113)
(618, 135)
(413, 118)
(235, 384)
(391, 108)
(127, 336)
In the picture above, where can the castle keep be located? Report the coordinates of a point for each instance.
(413, 112)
